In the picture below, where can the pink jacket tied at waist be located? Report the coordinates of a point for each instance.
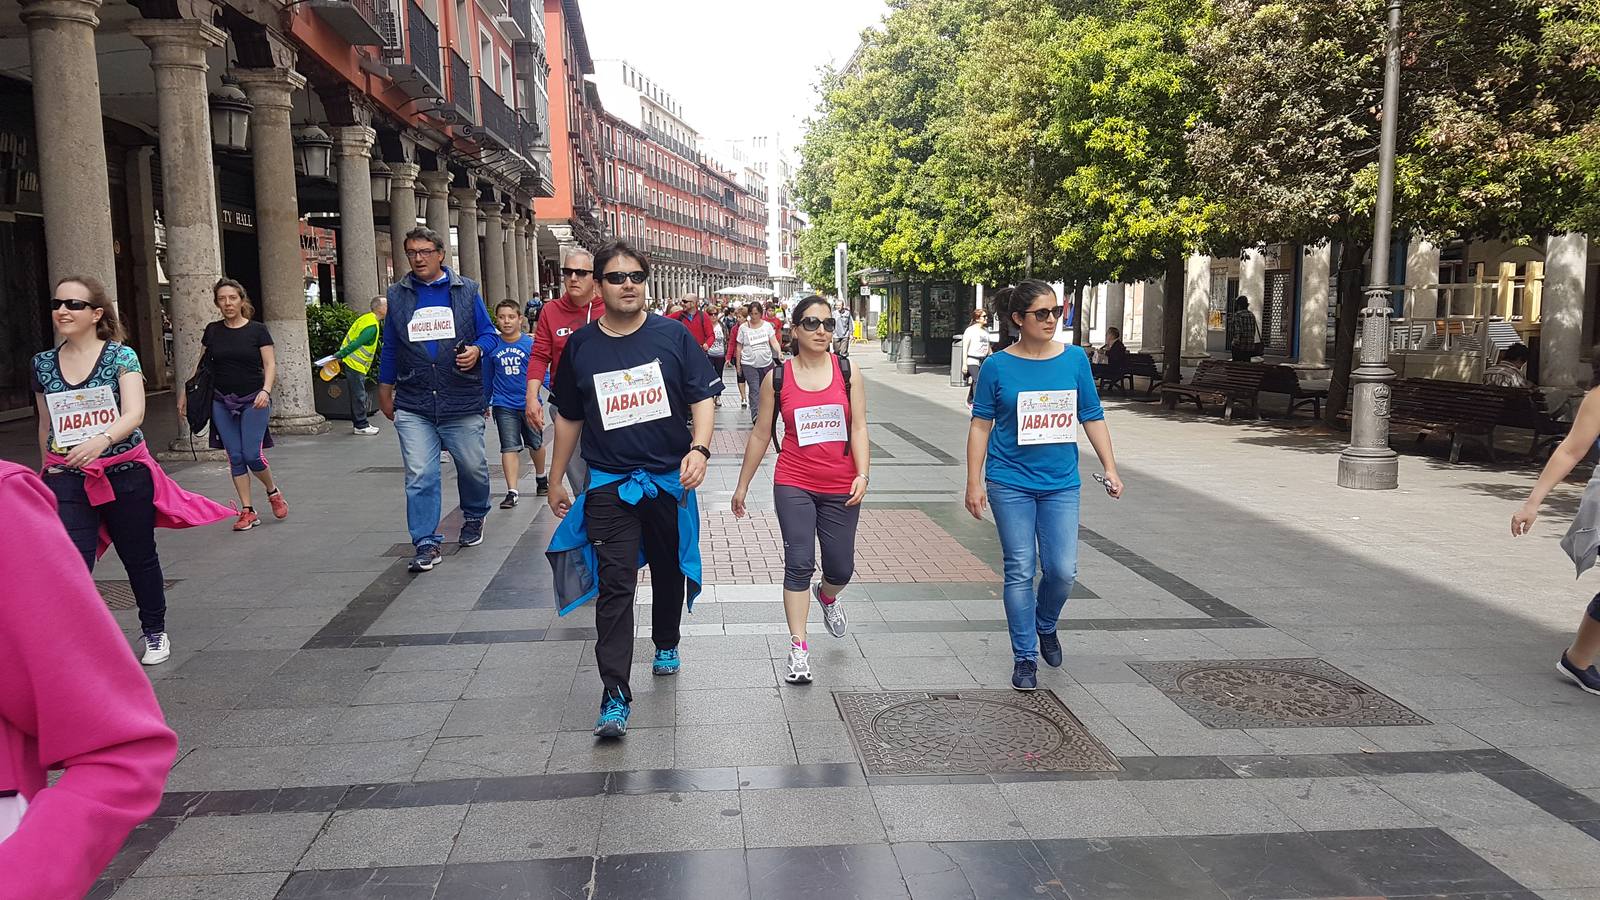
(72, 697)
(175, 507)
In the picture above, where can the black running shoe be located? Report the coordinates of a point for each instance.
(1588, 679)
(510, 500)
(1025, 675)
(1050, 649)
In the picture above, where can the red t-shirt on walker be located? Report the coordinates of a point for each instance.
(815, 453)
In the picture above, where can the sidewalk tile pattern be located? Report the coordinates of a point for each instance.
(892, 546)
(1273, 693)
(968, 733)
(118, 594)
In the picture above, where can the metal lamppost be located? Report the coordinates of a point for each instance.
(1369, 464)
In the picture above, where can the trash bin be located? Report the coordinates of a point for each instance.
(958, 369)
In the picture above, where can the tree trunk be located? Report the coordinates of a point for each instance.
(1172, 303)
(1075, 301)
(1351, 299)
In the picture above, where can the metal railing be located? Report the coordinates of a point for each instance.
(461, 88)
(422, 37)
(499, 122)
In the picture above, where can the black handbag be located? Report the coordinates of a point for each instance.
(197, 393)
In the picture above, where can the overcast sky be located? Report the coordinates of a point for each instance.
(738, 67)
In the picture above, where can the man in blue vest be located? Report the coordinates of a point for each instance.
(431, 387)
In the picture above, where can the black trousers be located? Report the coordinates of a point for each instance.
(619, 531)
(130, 520)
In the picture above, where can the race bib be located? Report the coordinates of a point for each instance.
(820, 424)
(432, 323)
(631, 396)
(1047, 417)
(76, 416)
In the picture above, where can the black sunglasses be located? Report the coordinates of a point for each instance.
(812, 323)
(1045, 315)
(578, 273)
(74, 305)
(636, 277)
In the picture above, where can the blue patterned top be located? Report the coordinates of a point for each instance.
(116, 359)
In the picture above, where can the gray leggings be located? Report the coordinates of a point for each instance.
(753, 376)
(805, 519)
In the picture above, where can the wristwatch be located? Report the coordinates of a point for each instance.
(706, 451)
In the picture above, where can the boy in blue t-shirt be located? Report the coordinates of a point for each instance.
(505, 383)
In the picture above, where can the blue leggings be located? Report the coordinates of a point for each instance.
(242, 435)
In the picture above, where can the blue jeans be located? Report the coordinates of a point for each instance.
(1038, 532)
(242, 436)
(420, 442)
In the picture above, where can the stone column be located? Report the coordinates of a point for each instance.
(467, 231)
(534, 287)
(402, 212)
(138, 171)
(1154, 327)
(73, 180)
(436, 188)
(358, 239)
(1422, 268)
(494, 255)
(278, 233)
(1196, 306)
(194, 259)
(508, 237)
(1561, 329)
(1253, 281)
(519, 249)
(1117, 306)
(1314, 271)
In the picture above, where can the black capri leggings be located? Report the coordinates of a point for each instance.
(805, 519)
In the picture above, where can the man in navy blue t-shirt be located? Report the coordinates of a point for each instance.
(628, 383)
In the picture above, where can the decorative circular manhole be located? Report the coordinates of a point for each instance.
(965, 734)
(1271, 693)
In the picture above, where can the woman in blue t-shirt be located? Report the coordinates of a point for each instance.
(1022, 460)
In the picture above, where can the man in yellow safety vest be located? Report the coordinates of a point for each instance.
(360, 348)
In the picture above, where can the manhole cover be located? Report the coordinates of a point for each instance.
(1273, 693)
(119, 594)
(968, 733)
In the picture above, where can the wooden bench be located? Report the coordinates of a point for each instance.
(1136, 365)
(1225, 384)
(1526, 408)
(1461, 410)
(1282, 379)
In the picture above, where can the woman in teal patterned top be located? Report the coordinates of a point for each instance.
(90, 394)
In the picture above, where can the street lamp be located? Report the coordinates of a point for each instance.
(1369, 464)
(381, 178)
(230, 118)
(313, 151)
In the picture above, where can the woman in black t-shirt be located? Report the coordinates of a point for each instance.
(243, 370)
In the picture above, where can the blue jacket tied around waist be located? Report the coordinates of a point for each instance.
(572, 557)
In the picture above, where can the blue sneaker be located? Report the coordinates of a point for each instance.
(666, 663)
(1050, 649)
(613, 721)
(1025, 675)
(471, 532)
(1588, 679)
(427, 557)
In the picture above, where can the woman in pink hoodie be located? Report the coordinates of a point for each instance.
(74, 699)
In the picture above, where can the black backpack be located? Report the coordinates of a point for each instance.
(197, 392)
(777, 401)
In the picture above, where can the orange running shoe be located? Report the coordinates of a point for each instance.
(279, 507)
(247, 520)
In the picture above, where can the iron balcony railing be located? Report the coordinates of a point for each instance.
(461, 88)
(499, 122)
(422, 36)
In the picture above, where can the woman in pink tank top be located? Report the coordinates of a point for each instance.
(821, 474)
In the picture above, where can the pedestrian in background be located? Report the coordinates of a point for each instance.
(1022, 461)
(843, 329)
(1582, 541)
(821, 476)
(741, 315)
(1510, 370)
(628, 383)
(430, 386)
(975, 348)
(71, 699)
(758, 351)
(244, 369)
(560, 318)
(718, 351)
(108, 488)
(1244, 334)
(355, 357)
(505, 382)
(696, 320)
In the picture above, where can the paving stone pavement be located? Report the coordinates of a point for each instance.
(348, 730)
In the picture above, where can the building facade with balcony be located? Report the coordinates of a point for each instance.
(571, 216)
